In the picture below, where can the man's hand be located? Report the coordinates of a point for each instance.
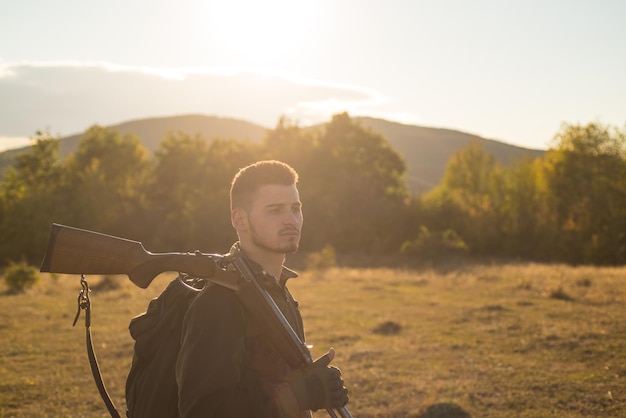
(319, 386)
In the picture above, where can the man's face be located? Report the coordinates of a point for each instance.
(275, 218)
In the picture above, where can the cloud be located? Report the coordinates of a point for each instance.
(67, 97)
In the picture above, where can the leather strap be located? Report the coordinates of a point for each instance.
(85, 304)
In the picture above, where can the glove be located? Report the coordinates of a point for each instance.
(319, 386)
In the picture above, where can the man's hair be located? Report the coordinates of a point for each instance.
(249, 179)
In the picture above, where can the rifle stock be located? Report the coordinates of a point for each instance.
(79, 251)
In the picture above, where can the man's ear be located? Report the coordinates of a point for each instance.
(239, 219)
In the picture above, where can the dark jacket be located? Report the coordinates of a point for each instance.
(226, 367)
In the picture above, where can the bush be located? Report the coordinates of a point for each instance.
(20, 276)
(434, 244)
(322, 260)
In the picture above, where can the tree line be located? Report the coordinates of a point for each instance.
(567, 206)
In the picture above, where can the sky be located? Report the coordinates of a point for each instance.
(513, 71)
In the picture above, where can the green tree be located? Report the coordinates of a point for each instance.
(29, 201)
(103, 181)
(188, 191)
(356, 192)
(469, 199)
(226, 157)
(289, 143)
(586, 176)
(171, 192)
(524, 211)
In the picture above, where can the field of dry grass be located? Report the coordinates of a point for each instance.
(491, 340)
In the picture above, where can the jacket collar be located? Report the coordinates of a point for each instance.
(265, 279)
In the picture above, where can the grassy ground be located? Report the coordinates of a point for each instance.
(492, 340)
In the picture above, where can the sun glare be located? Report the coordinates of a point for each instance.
(260, 33)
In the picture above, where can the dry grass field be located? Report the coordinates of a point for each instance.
(491, 340)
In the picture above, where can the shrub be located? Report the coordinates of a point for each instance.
(433, 244)
(322, 260)
(20, 276)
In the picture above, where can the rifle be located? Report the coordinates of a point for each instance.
(78, 251)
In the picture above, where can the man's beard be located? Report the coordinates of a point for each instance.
(287, 248)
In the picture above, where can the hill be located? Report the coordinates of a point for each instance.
(152, 131)
(426, 150)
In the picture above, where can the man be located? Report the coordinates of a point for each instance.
(226, 366)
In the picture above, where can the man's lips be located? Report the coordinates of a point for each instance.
(290, 233)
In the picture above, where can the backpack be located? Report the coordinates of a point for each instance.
(151, 389)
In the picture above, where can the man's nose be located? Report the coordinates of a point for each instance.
(291, 219)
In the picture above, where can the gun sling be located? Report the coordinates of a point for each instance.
(85, 304)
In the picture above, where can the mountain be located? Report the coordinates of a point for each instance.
(426, 150)
(153, 130)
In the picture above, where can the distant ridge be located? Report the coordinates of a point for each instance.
(152, 131)
(426, 150)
